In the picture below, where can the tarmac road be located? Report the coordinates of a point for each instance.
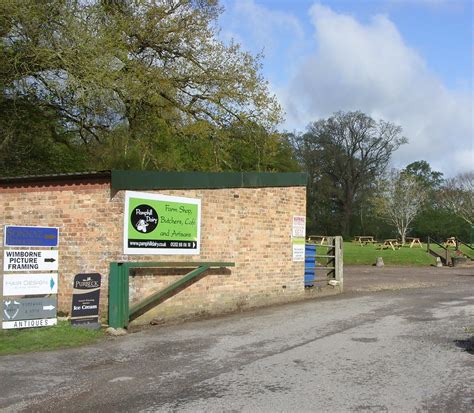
(400, 348)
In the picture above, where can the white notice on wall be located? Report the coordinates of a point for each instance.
(298, 250)
(299, 227)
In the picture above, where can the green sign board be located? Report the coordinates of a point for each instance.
(161, 224)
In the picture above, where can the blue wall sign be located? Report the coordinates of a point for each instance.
(30, 236)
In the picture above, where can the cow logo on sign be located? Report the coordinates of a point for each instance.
(11, 310)
(144, 218)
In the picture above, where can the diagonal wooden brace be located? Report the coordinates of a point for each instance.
(160, 296)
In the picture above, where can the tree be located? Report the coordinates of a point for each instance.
(343, 156)
(457, 196)
(30, 142)
(421, 170)
(129, 76)
(400, 198)
(439, 224)
(252, 147)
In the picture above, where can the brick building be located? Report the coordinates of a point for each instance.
(246, 218)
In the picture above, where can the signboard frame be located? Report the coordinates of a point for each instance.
(30, 260)
(15, 309)
(298, 250)
(298, 236)
(40, 322)
(29, 297)
(177, 218)
(32, 236)
(9, 289)
(86, 300)
(298, 228)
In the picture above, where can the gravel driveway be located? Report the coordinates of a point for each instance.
(394, 341)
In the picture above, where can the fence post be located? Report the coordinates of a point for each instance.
(339, 260)
(118, 295)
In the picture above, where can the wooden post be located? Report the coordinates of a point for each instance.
(339, 260)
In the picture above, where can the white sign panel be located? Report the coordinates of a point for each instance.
(45, 322)
(298, 252)
(30, 284)
(30, 260)
(299, 227)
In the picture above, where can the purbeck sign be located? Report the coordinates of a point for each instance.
(30, 284)
(160, 224)
(18, 236)
(30, 260)
(85, 299)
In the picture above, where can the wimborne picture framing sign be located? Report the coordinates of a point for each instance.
(161, 224)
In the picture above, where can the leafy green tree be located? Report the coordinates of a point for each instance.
(130, 82)
(250, 146)
(439, 224)
(31, 144)
(343, 155)
(421, 170)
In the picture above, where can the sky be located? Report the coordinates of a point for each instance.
(405, 61)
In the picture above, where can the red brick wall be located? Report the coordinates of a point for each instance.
(248, 226)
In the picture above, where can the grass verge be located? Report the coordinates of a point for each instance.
(48, 338)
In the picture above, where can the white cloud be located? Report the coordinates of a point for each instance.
(278, 35)
(369, 67)
(263, 24)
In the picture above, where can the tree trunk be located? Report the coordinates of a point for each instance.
(403, 234)
(346, 220)
(347, 212)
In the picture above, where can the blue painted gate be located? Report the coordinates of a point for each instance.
(310, 265)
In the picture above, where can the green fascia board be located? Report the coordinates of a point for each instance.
(204, 180)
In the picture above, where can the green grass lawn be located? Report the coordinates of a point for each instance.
(367, 254)
(48, 338)
(405, 256)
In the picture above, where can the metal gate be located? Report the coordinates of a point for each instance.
(324, 262)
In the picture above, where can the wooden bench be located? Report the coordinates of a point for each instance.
(364, 240)
(414, 241)
(390, 243)
(450, 242)
(318, 239)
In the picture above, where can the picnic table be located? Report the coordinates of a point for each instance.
(413, 241)
(318, 239)
(450, 242)
(364, 239)
(391, 243)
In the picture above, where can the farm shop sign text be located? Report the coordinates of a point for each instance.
(160, 224)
